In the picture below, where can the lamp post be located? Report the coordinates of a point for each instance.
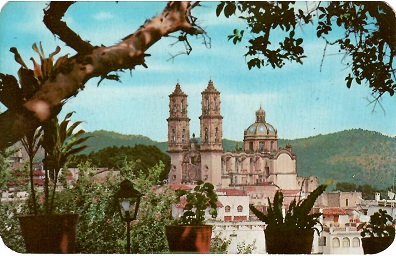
(128, 200)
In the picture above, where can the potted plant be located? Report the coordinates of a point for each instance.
(189, 233)
(41, 229)
(44, 231)
(380, 231)
(293, 232)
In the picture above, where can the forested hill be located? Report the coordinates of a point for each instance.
(102, 139)
(356, 156)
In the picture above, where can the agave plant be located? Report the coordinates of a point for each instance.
(298, 215)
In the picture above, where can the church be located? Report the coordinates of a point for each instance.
(259, 164)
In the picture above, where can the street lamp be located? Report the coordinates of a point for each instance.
(128, 200)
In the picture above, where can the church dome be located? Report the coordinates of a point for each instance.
(260, 128)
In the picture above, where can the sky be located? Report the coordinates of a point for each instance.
(299, 100)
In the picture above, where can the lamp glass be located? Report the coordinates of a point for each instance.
(125, 204)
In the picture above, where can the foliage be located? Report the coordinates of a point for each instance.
(298, 215)
(219, 244)
(368, 38)
(381, 224)
(244, 248)
(198, 200)
(9, 229)
(13, 94)
(103, 139)
(144, 157)
(31, 143)
(9, 226)
(356, 156)
(100, 228)
(4, 165)
(346, 186)
(60, 142)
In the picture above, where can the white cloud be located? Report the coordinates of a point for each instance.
(103, 16)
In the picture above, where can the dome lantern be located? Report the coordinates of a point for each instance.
(260, 115)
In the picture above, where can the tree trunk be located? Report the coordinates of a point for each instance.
(77, 70)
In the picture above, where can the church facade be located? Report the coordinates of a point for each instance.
(259, 163)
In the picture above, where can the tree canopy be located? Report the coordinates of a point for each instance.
(365, 33)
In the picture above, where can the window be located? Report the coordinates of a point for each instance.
(356, 242)
(322, 241)
(251, 146)
(216, 134)
(173, 177)
(181, 106)
(206, 135)
(336, 242)
(240, 208)
(346, 202)
(227, 208)
(183, 135)
(346, 242)
(261, 146)
(173, 136)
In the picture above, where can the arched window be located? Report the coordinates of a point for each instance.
(240, 208)
(183, 135)
(216, 134)
(206, 135)
(346, 242)
(227, 208)
(174, 108)
(173, 136)
(207, 103)
(356, 242)
(181, 106)
(336, 242)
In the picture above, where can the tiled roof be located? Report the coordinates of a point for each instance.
(183, 203)
(334, 211)
(232, 192)
(179, 186)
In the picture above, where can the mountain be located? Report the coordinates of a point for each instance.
(102, 139)
(356, 156)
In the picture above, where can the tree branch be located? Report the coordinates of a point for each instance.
(77, 70)
(52, 19)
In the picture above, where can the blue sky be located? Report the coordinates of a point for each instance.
(299, 100)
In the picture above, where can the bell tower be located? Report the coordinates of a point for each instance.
(211, 121)
(178, 133)
(178, 121)
(211, 131)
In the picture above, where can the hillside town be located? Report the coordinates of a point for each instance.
(246, 176)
